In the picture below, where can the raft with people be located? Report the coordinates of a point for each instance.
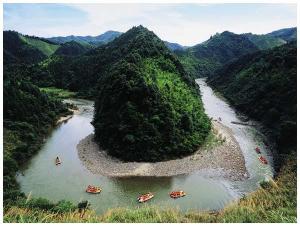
(145, 197)
(93, 189)
(177, 194)
(263, 160)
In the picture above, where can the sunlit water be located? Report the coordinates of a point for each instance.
(41, 178)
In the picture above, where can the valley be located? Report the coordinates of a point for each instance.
(150, 116)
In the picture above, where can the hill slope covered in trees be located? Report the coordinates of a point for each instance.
(16, 50)
(147, 108)
(263, 85)
(72, 48)
(203, 59)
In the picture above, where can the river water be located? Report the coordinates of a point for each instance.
(41, 178)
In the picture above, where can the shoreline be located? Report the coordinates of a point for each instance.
(222, 161)
(66, 118)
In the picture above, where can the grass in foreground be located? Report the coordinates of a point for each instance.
(276, 202)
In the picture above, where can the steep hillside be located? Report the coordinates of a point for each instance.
(72, 49)
(45, 46)
(265, 41)
(287, 34)
(16, 50)
(203, 59)
(147, 107)
(264, 86)
(93, 40)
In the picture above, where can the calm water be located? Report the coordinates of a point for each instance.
(41, 178)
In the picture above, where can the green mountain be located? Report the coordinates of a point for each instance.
(147, 108)
(72, 49)
(265, 41)
(45, 46)
(286, 34)
(16, 50)
(92, 40)
(263, 85)
(203, 59)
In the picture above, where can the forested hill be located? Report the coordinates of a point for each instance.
(264, 86)
(263, 42)
(16, 50)
(82, 73)
(147, 109)
(287, 34)
(72, 48)
(203, 59)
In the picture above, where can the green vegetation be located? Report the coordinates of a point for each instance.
(252, 82)
(276, 203)
(44, 46)
(15, 50)
(287, 34)
(58, 93)
(203, 59)
(72, 49)
(265, 41)
(147, 107)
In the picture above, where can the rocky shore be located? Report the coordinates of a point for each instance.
(223, 160)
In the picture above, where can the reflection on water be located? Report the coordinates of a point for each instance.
(68, 181)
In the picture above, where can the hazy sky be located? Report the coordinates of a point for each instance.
(186, 24)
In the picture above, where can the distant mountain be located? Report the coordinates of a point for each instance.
(265, 41)
(72, 49)
(92, 40)
(287, 34)
(174, 46)
(203, 59)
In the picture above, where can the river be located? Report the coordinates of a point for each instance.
(41, 178)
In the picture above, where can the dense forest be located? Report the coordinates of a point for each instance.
(72, 48)
(147, 108)
(263, 85)
(204, 59)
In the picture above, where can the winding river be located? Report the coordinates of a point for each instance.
(41, 178)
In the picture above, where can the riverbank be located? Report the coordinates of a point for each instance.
(67, 117)
(225, 160)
